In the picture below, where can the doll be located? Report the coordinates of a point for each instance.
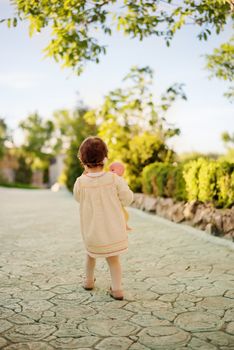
(118, 168)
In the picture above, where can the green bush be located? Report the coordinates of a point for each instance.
(144, 149)
(225, 184)
(205, 180)
(179, 191)
(210, 181)
(152, 183)
(164, 180)
(190, 175)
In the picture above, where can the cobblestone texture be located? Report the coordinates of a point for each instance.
(179, 287)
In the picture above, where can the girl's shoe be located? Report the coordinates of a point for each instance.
(89, 285)
(116, 294)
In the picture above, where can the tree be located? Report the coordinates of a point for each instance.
(134, 125)
(40, 145)
(23, 173)
(227, 138)
(37, 135)
(73, 128)
(221, 64)
(3, 137)
(74, 23)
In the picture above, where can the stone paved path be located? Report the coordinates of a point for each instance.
(179, 287)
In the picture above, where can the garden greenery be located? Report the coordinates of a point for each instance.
(133, 123)
(205, 180)
(78, 27)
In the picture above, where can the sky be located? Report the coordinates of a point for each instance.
(30, 82)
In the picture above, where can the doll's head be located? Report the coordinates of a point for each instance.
(117, 168)
(92, 152)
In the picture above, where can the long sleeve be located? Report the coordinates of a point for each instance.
(124, 192)
(76, 190)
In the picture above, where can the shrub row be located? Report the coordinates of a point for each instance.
(207, 181)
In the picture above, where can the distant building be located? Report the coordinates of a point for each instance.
(37, 179)
(8, 166)
(56, 168)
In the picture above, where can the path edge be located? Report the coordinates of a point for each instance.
(186, 228)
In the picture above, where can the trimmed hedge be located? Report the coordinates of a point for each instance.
(207, 181)
(164, 180)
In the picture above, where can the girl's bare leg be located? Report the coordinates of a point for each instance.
(116, 272)
(89, 268)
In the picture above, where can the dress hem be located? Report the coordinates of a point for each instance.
(106, 255)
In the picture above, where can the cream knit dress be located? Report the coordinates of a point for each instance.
(103, 225)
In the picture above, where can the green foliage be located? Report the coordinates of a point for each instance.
(225, 184)
(221, 64)
(133, 124)
(205, 180)
(227, 138)
(3, 128)
(74, 23)
(74, 129)
(4, 136)
(73, 167)
(210, 181)
(143, 150)
(130, 122)
(148, 176)
(40, 143)
(229, 94)
(37, 136)
(228, 157)
(187, 156)
(164, 180)
(155, 177)
(176, 183)
(23, 173)
(190, 173)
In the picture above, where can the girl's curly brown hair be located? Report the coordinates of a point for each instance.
(92, 152)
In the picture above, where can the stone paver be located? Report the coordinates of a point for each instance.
(179, 283)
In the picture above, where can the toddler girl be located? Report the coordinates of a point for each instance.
(101, 196)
